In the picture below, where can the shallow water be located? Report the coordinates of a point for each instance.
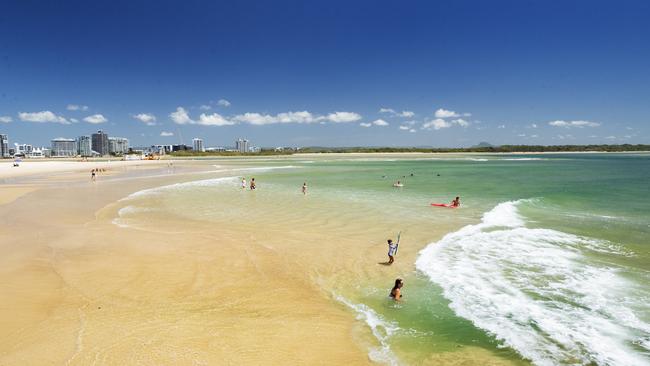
(547, 261)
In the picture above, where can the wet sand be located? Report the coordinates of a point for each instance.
(79, 290)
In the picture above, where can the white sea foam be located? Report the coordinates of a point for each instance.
(538, 291)
(381, 329)
(184, 185)
(523, 159)
(122, 215)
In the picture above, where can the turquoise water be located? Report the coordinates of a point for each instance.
(547, 261)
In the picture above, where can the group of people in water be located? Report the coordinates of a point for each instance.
(253, 186)
(396, 291)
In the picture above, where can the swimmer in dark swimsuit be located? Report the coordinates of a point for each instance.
(396, 292)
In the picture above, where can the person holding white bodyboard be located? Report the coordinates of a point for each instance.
(392, 249)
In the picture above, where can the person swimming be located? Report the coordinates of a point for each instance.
(392, 250)
(398, 184)
(455, 202)
(396, 292)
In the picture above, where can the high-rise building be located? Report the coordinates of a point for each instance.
(100, 143)
(64, 147)
(4, 146)
(118, 145)
(84, 146)
(242, 145)
(197, 144)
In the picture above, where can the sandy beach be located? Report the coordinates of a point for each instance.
(80, 290)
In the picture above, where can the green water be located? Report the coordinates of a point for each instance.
(588, 214)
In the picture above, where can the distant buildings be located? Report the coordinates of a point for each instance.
(62, 147)
(242, 145)
(23, 150)
(100, 143)
(118, 145)
(4, 146)
(181, 147)
(197, 145)
(84, 146)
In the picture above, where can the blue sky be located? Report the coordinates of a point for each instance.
(445, 73)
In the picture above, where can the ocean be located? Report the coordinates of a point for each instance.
(546, 262)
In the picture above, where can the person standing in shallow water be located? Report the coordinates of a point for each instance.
(253, 184)
(304, 188)
(392, 249)
(396, 292)
(243, 183)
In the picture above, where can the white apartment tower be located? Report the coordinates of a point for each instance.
(197, 145)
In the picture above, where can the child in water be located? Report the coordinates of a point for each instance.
(392, 249)
(253, 184)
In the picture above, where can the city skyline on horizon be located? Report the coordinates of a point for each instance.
(294, 74)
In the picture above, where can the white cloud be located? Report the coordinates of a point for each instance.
(5, 119)
(181, 117)
(256, 119)
(146, 118)
(76, 107)
(436, 124)
(286, 117)
(42, 117)
(404, 128)
(611, 137)
(522, 135)
(380, 122)
(569, 124)
(214, 119)
(205, 107)
(534, 136)
(74, 120)
(362, 124)
(461, 122)
(166, 134)
(444, 113)
(563, 137)
(96, 119)
(223, 103)
(343, 117)
(392, 112)
(440, 123)
(501, 126)
(412, 130)
(534, 125)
